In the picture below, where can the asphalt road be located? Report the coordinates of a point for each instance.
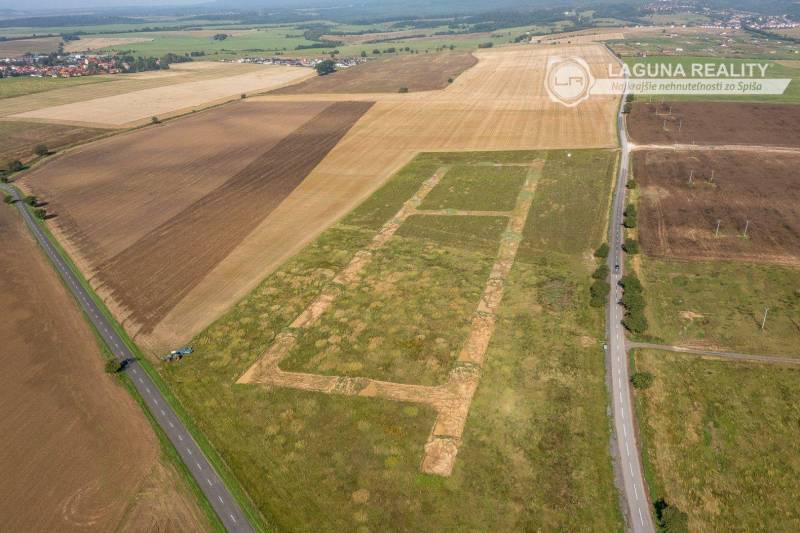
(226, 507)
(627, 452)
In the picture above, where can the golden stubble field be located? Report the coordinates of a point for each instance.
(131, 100)
(114, 196)
(499, 104)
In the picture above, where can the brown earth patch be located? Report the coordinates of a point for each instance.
(679, 220)
(77, 452)
(715, 123)
(154, 273)
(19, 47)
(19, 138)
(418, 72)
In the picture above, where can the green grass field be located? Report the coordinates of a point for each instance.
(10, 87)
(721, 440)
(775, 69)
(734, 44)
(721, 304)
(535, 447)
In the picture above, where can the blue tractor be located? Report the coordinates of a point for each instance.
(178, 354)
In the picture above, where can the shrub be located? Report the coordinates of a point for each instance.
(630, 282)
(642, 380)
(635, 322)
(41, 150)
(631, 184)
(15, 165)
(243, 96)
(669, 518)
(627, 108)
(602, 251)
(449, 80)
(155, 120)
(601, 272)
(8, 199)
(630, 210)
(488, 44)
(629, 98)
(325, 67)
(631, 246)
(403, 90)
(30, 200)
(40, 213)
(112, 366)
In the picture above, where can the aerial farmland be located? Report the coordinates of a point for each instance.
(363, 269)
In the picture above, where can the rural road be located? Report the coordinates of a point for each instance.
(627, 452)
(226, 507)
(737, 356)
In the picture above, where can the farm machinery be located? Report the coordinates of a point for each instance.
(178, 354)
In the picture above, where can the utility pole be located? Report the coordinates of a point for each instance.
(764, 320)
(746, 225)
(664, 126)
(680, 124)
(691, 175)
(712, 176)
(716, 232)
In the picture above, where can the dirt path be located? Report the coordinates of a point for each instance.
(718, 147)
(76, 452)
(452, 399)
(738, 356)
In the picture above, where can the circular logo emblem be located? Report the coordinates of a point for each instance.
(568, 81)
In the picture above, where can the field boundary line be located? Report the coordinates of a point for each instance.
(452, 399)
(716, 147)
(737, 356)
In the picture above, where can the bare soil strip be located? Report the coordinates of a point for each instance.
(420, 72)
(685, 194)
(151, 288)
(715, 123)
(451, 400)
(736, 356)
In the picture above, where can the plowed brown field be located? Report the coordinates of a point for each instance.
(111, 195)
(679, 219)
(715, 123)
(76, 452)
(418, 72)
(148, 225)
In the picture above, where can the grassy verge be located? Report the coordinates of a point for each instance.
(535, 447)
(699, 419)
(721, 304)
(208, 450)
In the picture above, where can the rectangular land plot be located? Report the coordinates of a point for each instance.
(408, 315)
(749, 190)
(130, 205)
(719, 305)
(477, 187)
(339, 458)
(718, 123)
(721, 440)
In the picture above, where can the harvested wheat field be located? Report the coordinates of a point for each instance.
(137, 107)
(499, 104)
(145, 240)
(120, 84)
(20, 138)
(104, 206)
(749, 191)
(93, 43)
(76, 452)
(19, 47)
(717, 123)
(419, 72)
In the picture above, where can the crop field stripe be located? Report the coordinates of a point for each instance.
(253, 193)
(451, 400)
